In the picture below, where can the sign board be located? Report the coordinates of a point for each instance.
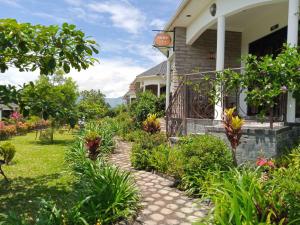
(163, 40)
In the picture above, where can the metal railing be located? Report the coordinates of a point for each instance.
(191, 100)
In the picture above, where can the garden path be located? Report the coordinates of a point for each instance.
(162, 204)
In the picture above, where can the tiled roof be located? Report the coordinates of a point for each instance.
(159, 70)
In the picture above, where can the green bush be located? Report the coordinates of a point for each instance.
(145, 104)
(168, 160)
(285, 184)
(106, 131)
(106, 196)
(142, 149)
(203, 153)
(125, 124)
(134, 136)
(7, 151)
(111, 194)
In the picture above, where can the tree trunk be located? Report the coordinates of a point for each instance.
(233, 151)
(271, 117)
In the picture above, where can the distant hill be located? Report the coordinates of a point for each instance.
(114, 102)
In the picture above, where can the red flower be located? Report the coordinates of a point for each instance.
(264, 162)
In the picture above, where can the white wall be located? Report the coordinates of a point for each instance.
(224, 7)
(261, 25)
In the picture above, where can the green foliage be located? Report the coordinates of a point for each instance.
(53, 96)
(168, 160)
(285, 183)
(151, 124)
(47, 48)
(106, 196)
(145, 104)
(264, 79)
(46, 136)
(92, 105)
(125, 125)
(143, 147)
(202, 153)
(7, 151)
(111, 194)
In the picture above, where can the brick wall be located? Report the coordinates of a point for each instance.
(198, 56)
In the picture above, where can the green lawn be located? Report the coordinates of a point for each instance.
(37, 171)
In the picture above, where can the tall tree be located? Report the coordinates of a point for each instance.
(92, 104)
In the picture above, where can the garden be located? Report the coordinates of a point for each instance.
(55, 151)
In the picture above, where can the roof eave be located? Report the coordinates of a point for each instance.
(182, 6)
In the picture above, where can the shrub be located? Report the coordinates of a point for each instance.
(6, 131)
(145, 104)
(106, 131)
(22, 128)
(142, 149)
(46, 136)
(203, 153)
(285, 184)
(168, 160)
(7, 151)
(134, 136)
(111, 194)
(125, 124)
(151, 124)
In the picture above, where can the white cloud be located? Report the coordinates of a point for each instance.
(13, 3)
(158, 23)
(122, 14)
(51, 17)
(80, 13)
(111, 76)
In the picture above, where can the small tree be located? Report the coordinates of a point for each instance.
(92, 104)
(264, 79)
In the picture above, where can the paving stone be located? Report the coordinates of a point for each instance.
(162, 205)
(166, 211)
(157, 217)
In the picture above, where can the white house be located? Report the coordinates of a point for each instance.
(212, 35)
(153, 80)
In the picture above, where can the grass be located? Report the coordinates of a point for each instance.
(37, 171)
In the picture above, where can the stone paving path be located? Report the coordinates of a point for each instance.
(162, 204)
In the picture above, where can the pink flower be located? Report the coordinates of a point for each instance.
(261, 162)
(265, 162)
(16, 116)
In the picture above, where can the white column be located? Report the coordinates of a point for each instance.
(144, 88)
(292, 39)
(220, 60)
(168, 83)
(158, 89)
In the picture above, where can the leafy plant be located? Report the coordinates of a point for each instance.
(142, 149)
(24, 47)
(151, 124)
(202, 153)
(264, 80)
(233, 129)
(145, 104)
(92, 142)
(7, 151)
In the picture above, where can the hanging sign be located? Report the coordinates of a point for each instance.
(163, 40)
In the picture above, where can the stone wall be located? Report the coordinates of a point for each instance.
(257, 141)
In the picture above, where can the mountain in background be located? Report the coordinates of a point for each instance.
(114, 102)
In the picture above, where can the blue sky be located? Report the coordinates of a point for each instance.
(123, 29)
